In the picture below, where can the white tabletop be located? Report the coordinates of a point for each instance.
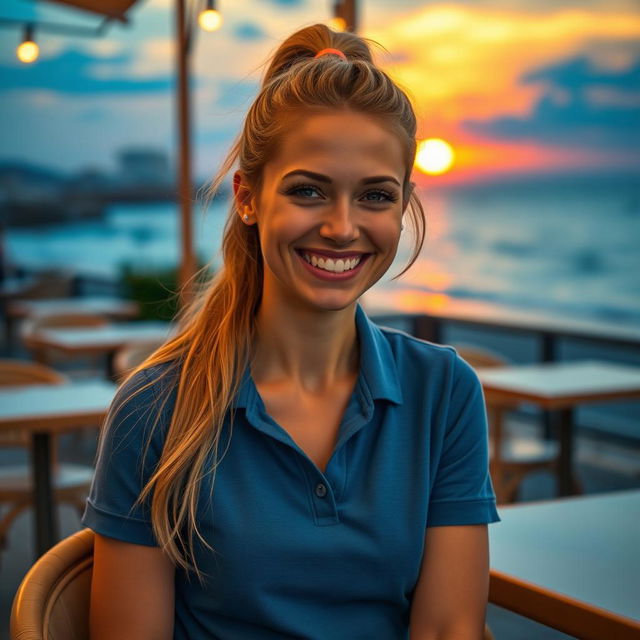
(107, 336)
(26, 405)
(587, 548)
(99, 305)
(557, 379)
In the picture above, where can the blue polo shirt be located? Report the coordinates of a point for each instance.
(299, 553)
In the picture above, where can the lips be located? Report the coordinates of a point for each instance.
(332, 275)
(336, 255)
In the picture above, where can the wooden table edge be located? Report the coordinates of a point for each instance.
(72, 349)
(504, 398)
(47, 423)
(16, 310)
(556, 610)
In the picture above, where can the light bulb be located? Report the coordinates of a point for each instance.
(338, 24)
(28, 51)
(210, 20)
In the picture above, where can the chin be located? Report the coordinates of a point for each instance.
(333, 303)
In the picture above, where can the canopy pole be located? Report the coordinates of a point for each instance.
(185, 188)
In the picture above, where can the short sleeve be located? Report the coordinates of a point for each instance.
(128, 452)
(462, 492)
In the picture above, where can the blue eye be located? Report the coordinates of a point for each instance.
(304, 191)
(311, 192)
(380, 195)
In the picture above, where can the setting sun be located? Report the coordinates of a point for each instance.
(434, 156)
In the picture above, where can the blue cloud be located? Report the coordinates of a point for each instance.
(566, 112)
(248, 31)
(70, 72)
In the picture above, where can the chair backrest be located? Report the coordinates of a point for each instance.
(52, 602)
(61, 320)
(23, 373)
(479, 357)
(49, 284)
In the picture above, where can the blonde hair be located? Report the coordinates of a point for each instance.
(212, 346)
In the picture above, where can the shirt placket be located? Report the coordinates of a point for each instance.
(323, 489)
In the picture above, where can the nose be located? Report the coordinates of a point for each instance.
(340, 223)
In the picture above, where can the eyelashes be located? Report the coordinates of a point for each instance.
(381, 195)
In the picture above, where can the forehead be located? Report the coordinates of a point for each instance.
(340, 139)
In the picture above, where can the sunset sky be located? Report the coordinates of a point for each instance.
(515, 87)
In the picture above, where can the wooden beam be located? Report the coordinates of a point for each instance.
(347, 10)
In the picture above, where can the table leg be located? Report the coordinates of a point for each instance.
(548, 353)
(565, 435)
(427, 328)
(111, 372)
(46, 525)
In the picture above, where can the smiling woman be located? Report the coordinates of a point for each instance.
(331, 195)
(352, 495)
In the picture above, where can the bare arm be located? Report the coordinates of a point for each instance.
(451, 595)
(132, 592)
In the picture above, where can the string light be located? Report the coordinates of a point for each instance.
(210, 19)
(338, 24)
(28, 51)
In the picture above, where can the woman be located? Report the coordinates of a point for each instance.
(283, 468)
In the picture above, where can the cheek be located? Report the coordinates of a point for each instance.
(385, 232)
(276, 235)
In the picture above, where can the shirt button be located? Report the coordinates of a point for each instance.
(321, 490)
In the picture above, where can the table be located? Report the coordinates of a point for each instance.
(112, 307)
(572, 564)
(43, 411)
(104, 340)
(560, 387)
(20, 309)
(12, 287)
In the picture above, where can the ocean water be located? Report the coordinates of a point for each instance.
(566, 248)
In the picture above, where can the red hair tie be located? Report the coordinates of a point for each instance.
(335, 52)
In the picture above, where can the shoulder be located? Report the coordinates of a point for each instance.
(413, 355)
(150, 383)
(143, 401)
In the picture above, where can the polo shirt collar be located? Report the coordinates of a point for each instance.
(377, 362)
(378, 366)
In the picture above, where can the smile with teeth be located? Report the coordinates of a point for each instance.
(329, 264)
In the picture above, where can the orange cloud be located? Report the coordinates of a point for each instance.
(464, 63)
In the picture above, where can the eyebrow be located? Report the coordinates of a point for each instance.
(322, 178)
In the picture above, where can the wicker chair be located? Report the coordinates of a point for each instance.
(48, 284)
(52, 602)
(510, 459)
(131, 356)
(71, 482)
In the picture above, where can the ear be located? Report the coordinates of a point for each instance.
(243, 197)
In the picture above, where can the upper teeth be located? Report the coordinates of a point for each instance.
(329, 264)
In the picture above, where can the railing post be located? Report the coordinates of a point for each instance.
(427, 328)
(548, 354)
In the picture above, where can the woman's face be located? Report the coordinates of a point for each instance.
(329, 210)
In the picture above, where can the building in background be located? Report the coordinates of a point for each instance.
(144, 167)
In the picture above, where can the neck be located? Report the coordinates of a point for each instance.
(311, 348)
